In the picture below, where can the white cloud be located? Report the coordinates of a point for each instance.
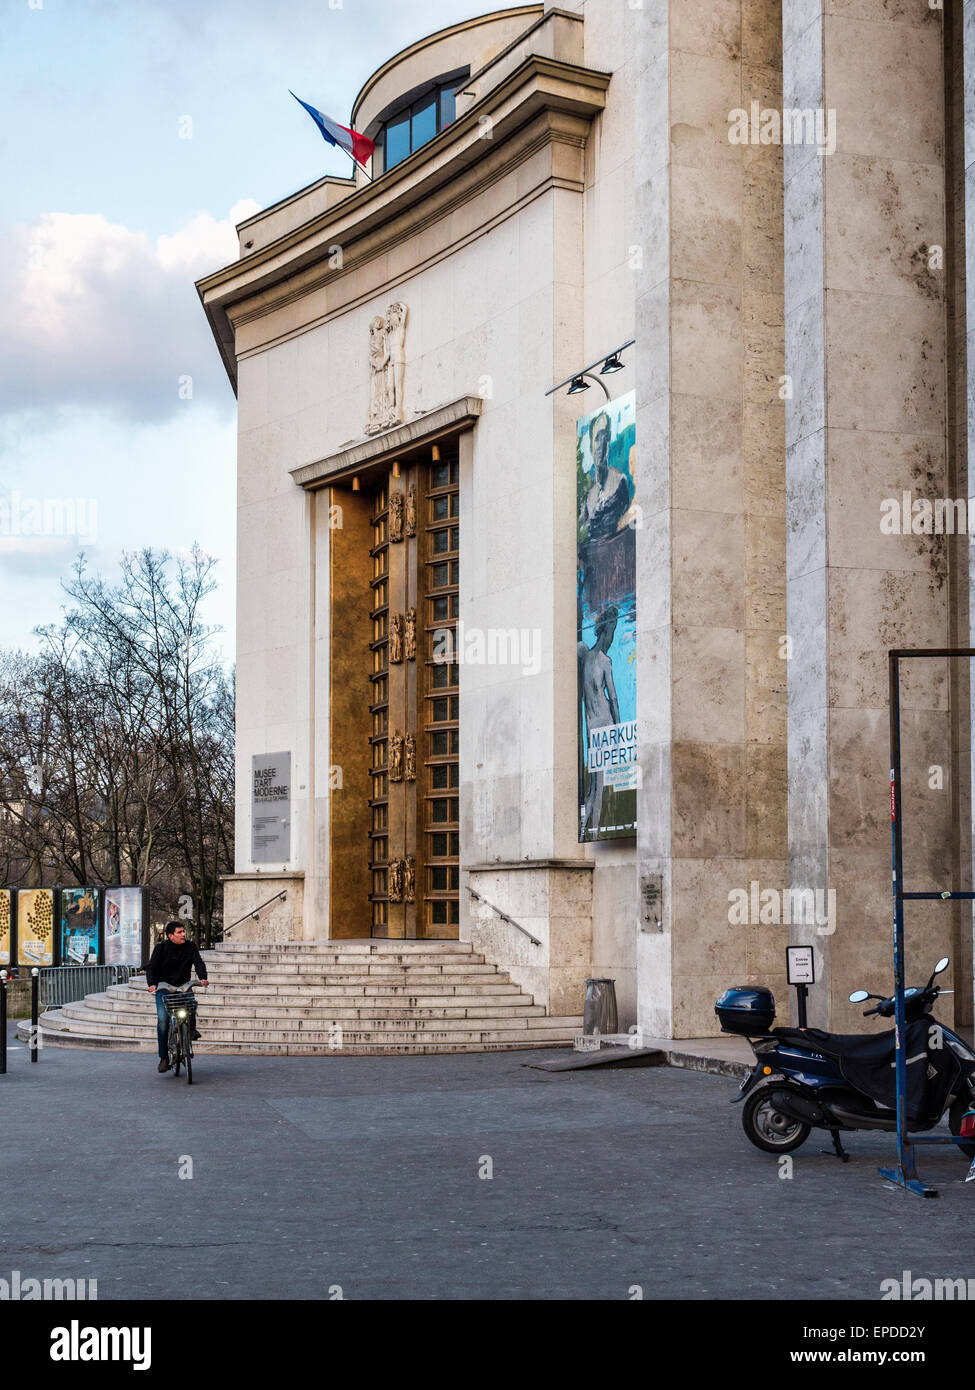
(99, 316)
(203, 243)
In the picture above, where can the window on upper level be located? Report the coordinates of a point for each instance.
(417, 121)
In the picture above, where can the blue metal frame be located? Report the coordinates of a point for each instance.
(905, 1174)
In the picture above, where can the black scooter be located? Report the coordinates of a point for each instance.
(806, 1079)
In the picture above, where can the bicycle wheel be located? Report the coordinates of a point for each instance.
(175, 1050)
(187, 1048)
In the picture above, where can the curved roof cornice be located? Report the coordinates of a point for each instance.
(490, 18)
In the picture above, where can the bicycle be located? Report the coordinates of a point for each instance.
(181, 1007)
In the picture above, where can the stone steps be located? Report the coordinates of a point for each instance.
(348, 976)
(351, 950)
(380, 994)
(329, 999)
(353, 975)
(361, 946)
(445, 1034)
(315, 1031)
(213, 1010)
(119, 1043)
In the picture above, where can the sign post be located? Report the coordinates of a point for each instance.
(3, 1022)
(34, 986)
(801, 971)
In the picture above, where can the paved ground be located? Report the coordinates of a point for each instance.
(363, 1173)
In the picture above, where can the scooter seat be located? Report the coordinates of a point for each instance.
(868, 1047)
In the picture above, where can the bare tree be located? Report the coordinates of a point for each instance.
(116, 740)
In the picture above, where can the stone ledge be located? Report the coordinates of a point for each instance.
(721, 1056)
(508, 865)
(265, 877)
(375, 450)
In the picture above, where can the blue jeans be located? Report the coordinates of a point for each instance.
(162, 1024)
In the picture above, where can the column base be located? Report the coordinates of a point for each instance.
(280, 919)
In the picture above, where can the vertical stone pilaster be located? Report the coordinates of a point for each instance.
(649, 31)
(805, 366)
(965, 358)
(865, 347)
(710, 560)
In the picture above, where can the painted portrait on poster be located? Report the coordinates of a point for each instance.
(79, 926)
(606, 597)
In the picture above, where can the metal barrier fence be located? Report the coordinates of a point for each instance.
(64, 984)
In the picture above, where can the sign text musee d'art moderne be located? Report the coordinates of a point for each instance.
(606, 608)
(271, 808)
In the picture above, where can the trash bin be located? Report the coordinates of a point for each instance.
(599, 1014)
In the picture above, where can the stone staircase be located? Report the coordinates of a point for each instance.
(334, 998)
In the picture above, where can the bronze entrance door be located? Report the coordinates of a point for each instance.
(414, 699)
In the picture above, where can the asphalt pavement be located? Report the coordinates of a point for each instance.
(469, 1176)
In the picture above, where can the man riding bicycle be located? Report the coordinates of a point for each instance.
(171, 963)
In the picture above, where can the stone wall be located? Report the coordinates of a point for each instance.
(865, 349)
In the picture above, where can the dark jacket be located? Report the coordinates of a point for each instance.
(174, 964)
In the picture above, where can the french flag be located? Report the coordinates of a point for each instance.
(359, 147)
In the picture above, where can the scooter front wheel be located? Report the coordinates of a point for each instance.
(768, 1129)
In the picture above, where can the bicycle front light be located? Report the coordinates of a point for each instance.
(181, 1013)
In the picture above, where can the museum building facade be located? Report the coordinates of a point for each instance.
(595, 677)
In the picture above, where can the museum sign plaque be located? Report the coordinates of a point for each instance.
(271, 808)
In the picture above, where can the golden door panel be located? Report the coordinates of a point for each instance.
(414, 851)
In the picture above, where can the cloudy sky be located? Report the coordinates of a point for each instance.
(132, 138)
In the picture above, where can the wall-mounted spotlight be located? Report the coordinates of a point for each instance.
(577, 382)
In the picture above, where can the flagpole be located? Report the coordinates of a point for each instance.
(321, 121)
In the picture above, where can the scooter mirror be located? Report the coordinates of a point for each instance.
(858, 996)
(943, 964)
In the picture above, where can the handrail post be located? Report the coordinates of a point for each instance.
(253, 912)
(3, 1022)
(504, 916)
(34, 987)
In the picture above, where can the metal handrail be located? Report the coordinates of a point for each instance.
(254, 911)
(66, 984)
(504, 916)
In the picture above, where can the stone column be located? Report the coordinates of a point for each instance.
(865, 355)
(962, 87)
(710, 558)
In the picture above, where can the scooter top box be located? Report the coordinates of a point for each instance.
(746, 1009)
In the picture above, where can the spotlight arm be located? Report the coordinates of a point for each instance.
(586, 371)
(598, 380)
